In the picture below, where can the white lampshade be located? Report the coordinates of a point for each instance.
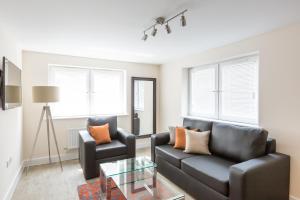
(13, 94)
(45, 94)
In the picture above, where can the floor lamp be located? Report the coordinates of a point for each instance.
(45, 94)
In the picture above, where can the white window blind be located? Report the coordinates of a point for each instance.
(239, 90)
(226, 91)
(85, 92)
(203, 86)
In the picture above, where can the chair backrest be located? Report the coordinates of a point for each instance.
(111, 120)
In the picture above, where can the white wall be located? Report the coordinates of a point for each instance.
(279, 93)
(10, 128)
(35, 72)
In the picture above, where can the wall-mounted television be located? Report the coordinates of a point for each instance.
(10, 85)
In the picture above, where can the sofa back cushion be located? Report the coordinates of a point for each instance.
(99, 121)
(200, 125)
(237, 143)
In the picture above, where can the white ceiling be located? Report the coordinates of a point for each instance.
(112, 29)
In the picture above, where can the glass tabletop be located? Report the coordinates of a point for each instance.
(150, 187)
(127, 165)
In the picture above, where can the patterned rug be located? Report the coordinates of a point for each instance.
(90, 191)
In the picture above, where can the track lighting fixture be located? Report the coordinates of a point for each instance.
(145, 36)
(154, 31)
(168, 29)
(183, 20)
(162, 21)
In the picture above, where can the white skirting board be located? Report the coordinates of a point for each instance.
(143, 143)
(45, 159)
(14, 183)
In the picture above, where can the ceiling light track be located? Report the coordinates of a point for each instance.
(162, 21)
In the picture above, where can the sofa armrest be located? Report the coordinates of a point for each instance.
(129, 140)
(262, 178)
(87, 154)
(158, 139)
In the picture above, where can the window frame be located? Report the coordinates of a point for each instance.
(218, 104)
(90, 89)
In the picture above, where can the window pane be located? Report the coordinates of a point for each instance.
(73, 86)
(203, 91)
(239, 90)
(108, 92)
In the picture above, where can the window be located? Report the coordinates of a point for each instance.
(225, 91)
(203, 87)
(85, 91)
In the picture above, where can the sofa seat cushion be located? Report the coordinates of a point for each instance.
(209, 170)
(173, 156)
(115, 148)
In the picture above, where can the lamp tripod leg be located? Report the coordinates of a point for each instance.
(48, 136)
(36, 137)
(48, 112)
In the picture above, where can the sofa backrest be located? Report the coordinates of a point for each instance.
(111, 120)
(238, 143)
(197, 124)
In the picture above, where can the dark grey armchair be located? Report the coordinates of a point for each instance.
(90, 154)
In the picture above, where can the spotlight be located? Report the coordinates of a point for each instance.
(145, 36)
(183, 20)
(168, 28)
(154, 31)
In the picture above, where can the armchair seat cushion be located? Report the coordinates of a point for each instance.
(210, 170)
(173, 156)
(115, 148)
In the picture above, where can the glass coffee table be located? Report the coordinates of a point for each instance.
(136, 178)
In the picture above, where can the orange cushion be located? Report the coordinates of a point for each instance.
(100, 133)
(179, 138)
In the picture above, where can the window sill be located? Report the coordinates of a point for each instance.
(224, 121)
(87, 116)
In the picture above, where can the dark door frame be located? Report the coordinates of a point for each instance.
(154, 103)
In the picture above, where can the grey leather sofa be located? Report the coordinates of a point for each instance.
(244, 164)
(91, 155)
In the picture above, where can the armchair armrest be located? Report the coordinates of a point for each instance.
(158, 139)
(262, 178)
(129, 140)
(87, 154)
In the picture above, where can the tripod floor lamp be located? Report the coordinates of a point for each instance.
(45, 94)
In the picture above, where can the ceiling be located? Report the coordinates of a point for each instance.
(112, 29)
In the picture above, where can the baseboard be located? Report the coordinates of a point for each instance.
(142, 146)
(143, 143)
(14, 183)
(294, 198)
(54, 159)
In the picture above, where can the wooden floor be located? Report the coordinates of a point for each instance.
(47, 182)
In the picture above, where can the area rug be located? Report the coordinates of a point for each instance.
(90, 191)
